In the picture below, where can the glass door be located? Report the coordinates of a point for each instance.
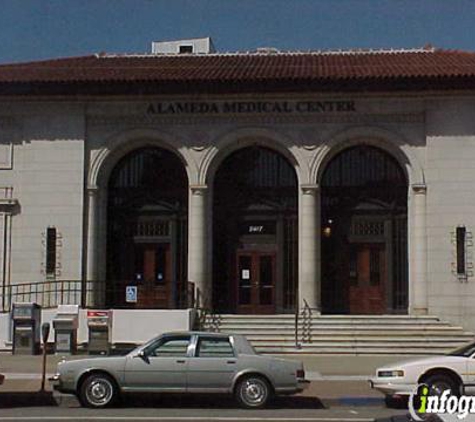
(256, 282)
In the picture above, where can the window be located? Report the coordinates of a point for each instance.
(51, 251)
(461, 236)
(214, 348)
(170, 347)
(186, 49)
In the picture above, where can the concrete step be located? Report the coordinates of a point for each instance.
(412, 340)
(354, 329)
(346, 334)
(329, 317)
(352, 351)
(322, 321)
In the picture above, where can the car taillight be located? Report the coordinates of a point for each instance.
(300, 373)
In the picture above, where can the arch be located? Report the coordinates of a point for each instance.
(393, 144)
(364, 194)
(230, 142)
(147, 209)
(119, 145)
(255, 231)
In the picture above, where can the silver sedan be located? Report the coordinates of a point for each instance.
(184, 362)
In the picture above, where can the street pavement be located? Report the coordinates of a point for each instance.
(339, 391)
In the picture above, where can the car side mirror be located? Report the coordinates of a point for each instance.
(142, 355)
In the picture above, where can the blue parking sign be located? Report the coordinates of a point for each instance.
(131, 294)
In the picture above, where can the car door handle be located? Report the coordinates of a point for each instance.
(231, 362)
(180, 361)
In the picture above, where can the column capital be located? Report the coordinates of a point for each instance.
(419, 188)
(198, 190)
(310, 189)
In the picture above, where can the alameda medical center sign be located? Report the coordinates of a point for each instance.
(249, 107)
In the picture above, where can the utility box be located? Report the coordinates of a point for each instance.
(65, 326)
(26, 328)
(99, 325)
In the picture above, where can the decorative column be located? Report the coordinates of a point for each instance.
(197, 245)
(418, 281)
(91, 266)
(309, 275)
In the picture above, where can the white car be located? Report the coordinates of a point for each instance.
(454, 371)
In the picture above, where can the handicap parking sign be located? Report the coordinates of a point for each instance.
(131, 294)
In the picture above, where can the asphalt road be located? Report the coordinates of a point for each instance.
(201, 408)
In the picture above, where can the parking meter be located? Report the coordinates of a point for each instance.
(45, 327)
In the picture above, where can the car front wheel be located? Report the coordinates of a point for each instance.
(438, 383)
(98, 390)
(253, 392)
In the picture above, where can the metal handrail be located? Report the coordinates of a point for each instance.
(297, 312)
(88, 294)
(306, 323)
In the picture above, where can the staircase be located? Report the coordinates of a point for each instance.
(343, 334)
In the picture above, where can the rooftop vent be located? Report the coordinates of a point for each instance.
(267, 50)
(191, 46)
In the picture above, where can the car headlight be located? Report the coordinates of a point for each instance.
(390, 374)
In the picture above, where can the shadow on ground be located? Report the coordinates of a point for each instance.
(169, 401)
(27, 399)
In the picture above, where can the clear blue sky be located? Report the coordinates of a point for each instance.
(37, 29)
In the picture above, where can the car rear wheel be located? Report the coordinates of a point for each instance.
(253, 392)
(438, 383)
(98, 390)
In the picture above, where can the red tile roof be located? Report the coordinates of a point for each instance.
(403, 69)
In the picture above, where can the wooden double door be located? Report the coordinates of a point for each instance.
(153, 275)
(367, 278)
(255, 282)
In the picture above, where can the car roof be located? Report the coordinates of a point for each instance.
(198, 333)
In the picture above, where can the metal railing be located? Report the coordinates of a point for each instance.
(96, 294)
(306, 323)
(303, 320)
(296, 326)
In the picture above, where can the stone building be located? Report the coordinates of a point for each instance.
(248, 182)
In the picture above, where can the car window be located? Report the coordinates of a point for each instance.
(170, 347)
(464, 351)
(214, 348)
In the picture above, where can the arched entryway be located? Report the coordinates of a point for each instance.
(255, 233)
(147, 200)
(364, 233)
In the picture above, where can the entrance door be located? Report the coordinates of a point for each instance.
(255, 282)
(153, 275)
(367, 278)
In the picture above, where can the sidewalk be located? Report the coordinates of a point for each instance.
(336, 380)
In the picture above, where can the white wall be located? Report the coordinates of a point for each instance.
(450, 174)
(48, 168)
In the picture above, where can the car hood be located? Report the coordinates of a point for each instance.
(425, 362)
(92, 362)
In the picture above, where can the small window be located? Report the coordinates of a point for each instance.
(461, 237)
(183, 49)
(170, 347)
(51, 251)
(214, 348)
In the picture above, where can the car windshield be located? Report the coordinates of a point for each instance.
(465, 351)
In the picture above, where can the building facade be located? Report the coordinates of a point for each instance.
(249, 183)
